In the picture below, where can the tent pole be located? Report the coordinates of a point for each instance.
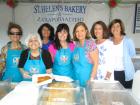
(13, 15)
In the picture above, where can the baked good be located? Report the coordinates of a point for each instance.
(43, 78)
(59, 93)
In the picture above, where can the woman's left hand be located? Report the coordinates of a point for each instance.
(49, 71)
(108, 75)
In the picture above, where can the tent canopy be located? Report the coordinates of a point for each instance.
(72, 1)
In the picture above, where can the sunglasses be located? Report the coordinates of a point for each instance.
(15, 33)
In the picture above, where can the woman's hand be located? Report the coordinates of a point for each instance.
(108, 75)
(26, 75)
(91, 79)
(49, 71)
(95, 58)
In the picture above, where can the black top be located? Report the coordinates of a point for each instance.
(46, 57)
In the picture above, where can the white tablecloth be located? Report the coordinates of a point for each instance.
(25, 93)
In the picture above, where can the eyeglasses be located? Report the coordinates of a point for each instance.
(15, 33)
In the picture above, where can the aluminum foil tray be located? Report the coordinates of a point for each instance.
(57, 94)
(112, 98)
(5, 88)
(107, 85)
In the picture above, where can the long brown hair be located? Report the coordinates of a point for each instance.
(75, 27)
(104, 27)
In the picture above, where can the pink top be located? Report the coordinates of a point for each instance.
(53, 50)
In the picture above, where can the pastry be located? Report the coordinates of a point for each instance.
(43, 78)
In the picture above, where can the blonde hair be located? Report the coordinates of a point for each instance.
(30, 36)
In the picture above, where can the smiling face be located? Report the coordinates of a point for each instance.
(80, 33)
(98, 31)
(33, 43)
(116, 29)
(62, 36)
(45, 32)
(14, 35)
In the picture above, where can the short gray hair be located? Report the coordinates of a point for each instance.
(30, 36)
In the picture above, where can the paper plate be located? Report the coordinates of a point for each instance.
(62, 78)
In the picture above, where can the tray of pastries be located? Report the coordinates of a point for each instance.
(62, 93)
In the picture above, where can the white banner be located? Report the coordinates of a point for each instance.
(31, 15)
(36, 14)
(53, 13)
(59, 13)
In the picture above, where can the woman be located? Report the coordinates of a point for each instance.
(124, 50)
(99, 32)
(34, 60)
(11, 53)
(61, 51)
(46, 32)
(85, 55)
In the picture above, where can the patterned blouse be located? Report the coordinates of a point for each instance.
(3, 54)
(89, 46)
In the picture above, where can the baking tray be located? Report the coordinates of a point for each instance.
(101, 97)
(5, 88)
(73, 95)
(106, 85)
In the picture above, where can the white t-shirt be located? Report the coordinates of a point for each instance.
(106, 59)
(118, 55)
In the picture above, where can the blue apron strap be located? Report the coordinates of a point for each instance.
(29, 55)
(85, 44)
(40, 52)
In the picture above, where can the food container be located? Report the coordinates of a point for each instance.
(62, 93)
(106, 85)
(101, 97)
(5, 88)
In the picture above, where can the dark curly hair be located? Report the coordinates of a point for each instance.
(51, 29)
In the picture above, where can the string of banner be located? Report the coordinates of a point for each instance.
(14, 3)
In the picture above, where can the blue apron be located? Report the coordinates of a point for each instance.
(12, 72)
(63, 63)
(81, 66)
(34, 66)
